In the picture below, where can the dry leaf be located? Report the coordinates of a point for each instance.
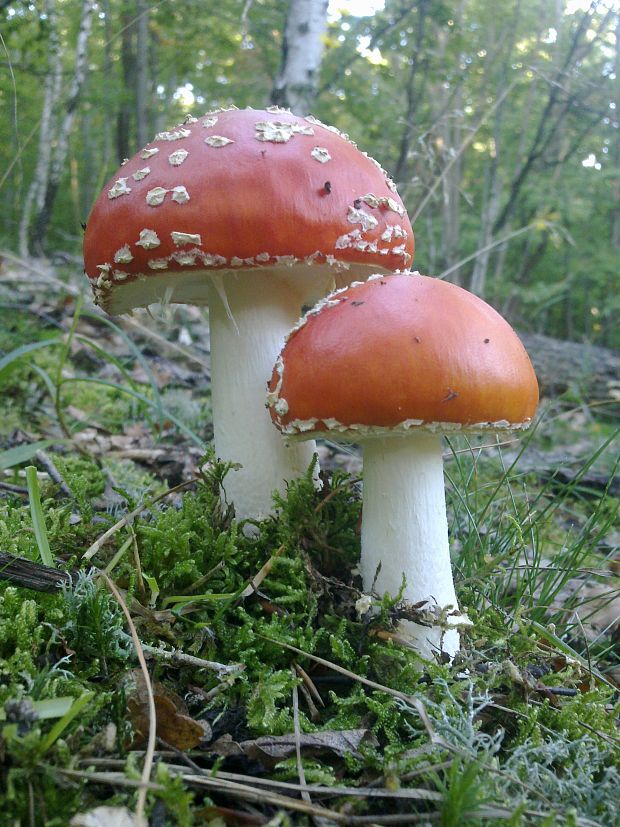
(174, 725)
(271, 749)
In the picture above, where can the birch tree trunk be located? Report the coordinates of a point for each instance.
(61, 150)
(296, 85)
(51, 95)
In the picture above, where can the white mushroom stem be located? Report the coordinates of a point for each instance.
(249, 319)
(404, 528)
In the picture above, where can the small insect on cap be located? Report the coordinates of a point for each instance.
(237, 190)
(397, 353)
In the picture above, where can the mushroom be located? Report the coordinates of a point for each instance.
(255, 213)
(393, 364)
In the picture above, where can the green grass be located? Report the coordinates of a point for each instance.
(521, 729)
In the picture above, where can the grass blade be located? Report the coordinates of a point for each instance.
(48, 708)
(7, 361)
(38, 519)
(59, 727)
(22, 453)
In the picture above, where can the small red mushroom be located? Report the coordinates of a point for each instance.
(352, 370)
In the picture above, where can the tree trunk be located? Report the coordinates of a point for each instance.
(142, 55)
(302, 50)
(413, 93)
(62, 141)
(451, 130)
(51, 95)
(128, 64)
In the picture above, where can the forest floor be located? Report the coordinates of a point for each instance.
(277, 702)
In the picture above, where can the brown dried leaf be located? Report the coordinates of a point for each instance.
(174, 725)
(271, 749)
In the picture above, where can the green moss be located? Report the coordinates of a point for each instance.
(499, 740)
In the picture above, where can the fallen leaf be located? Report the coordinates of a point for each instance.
(271, 749)
(174, 725)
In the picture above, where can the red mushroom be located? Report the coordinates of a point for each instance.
(256, 213)
(392, 364)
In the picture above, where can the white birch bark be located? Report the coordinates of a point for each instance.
(296, 84)
(59, 157)
(51, 95)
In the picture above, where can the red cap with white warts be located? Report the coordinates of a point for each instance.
(237, 190)
(397, 353)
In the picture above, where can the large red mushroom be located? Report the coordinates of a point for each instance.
(255, 213)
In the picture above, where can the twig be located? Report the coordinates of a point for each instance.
(48, 463)
(297, 732)
(136, 559)
(402, 793)
(218, 784)
(250, 793)
(197, 584)
(31, 575)
(128, 518)
(336, 490)
(176, 656)
(150, 750)
(14, 489)
(217, 690)
(310, 684)
(315, 715)
(112, 778)
(260, 575)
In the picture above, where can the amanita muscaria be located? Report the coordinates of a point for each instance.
(255, 213)
(393, 364)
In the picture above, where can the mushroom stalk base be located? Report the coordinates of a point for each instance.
(249, 320)
(405, 529)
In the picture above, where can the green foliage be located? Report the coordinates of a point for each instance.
(93, 627)
(178, 546)
(505, 746)
(175, 797)
(268, 708)
(410, 84)
(22, 638)
(499, 741)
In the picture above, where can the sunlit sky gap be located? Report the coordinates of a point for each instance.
(359, 8)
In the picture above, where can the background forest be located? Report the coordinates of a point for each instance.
(498, 121)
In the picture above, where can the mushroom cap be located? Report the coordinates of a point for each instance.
(237, 190)
(400, 352)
